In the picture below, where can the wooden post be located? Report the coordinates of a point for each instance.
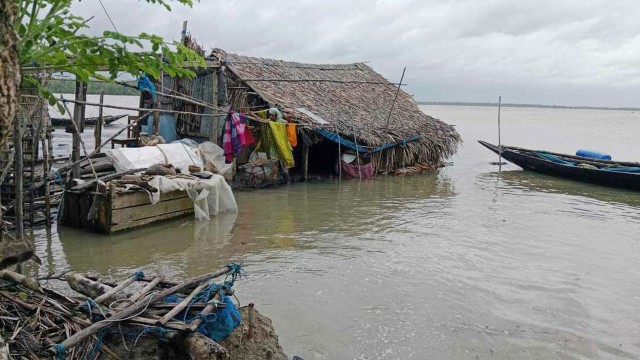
(97, 131)
(19, 176)
(183, 35)
(156, 120)
(78, 117)
(305, 159)
(339, 156)
(45, 174)
(396, 97)
(499, 140)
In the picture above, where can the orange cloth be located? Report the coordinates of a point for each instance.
(291, 135)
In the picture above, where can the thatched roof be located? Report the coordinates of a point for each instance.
(352, 99)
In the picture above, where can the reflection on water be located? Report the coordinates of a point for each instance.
(549, 184)
(464, 263)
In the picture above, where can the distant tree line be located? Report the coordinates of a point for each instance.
(93, 87)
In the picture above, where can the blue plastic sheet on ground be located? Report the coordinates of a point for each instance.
(218, 325)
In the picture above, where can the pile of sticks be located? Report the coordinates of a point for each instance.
(39, 323)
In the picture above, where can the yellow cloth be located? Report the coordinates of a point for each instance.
(280, 143)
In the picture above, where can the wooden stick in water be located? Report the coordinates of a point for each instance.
(499, 140)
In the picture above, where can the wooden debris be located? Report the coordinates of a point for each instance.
(41, 322)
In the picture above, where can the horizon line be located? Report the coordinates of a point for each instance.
(466, 103)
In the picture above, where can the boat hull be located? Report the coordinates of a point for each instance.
(528, 161)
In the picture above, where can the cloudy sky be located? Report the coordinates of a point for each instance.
(565, 52)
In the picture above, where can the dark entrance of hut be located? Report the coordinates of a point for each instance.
(323, 158)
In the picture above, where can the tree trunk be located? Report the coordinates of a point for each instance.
(9, 76)
(9, 69)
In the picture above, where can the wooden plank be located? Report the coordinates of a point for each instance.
(183, 304)
(136, 198)
(142, 222)
(151, 210)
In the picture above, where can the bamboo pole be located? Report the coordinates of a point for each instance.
(47, 195)
(97, 131)
(88, 157)
(183, 304)
(135, 297)
(19, 177)
(305, 157)
(138, 109)
(499, 140)
(396, 97)
(116, 289)
(78, 122)
(339, 157)
(355, 141)
(78, 131)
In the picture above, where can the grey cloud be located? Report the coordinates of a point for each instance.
(556, 52)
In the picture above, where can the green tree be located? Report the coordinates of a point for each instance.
(51, 38)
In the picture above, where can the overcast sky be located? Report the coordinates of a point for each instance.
(539, 52)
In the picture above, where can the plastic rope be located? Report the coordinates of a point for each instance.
(97, 347)
(138, 274)
(61, 352)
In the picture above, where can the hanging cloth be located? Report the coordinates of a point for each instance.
(279, 142)
(226, 142)
(240, 127)
(291, 134)
(248, 135)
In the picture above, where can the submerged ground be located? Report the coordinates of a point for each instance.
(464, 263)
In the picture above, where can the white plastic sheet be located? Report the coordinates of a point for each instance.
(210, 196)
(179, 155)
(214, 155)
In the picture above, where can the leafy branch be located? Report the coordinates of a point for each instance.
(51, 38)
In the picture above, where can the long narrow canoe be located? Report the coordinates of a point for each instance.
(604, 172)
(90, 121)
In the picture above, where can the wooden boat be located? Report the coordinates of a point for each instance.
(90, 121)
(604, 172)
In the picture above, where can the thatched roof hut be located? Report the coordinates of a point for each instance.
(351, 100)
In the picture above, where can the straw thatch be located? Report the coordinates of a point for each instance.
(354, 100)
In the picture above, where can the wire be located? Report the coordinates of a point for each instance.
(108, 16)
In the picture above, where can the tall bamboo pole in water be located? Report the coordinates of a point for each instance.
(19, 177)
(499, 140)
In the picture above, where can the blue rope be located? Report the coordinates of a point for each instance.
(61, 351)
(97, 347)
(236, 271)
(90, 305)
(138, 274)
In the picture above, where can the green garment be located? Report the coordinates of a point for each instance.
(275, 143)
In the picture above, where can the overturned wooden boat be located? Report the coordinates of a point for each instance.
(90, 121)
(618, 174)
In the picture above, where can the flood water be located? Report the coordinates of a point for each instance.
(466, 263)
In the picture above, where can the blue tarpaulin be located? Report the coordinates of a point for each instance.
(336, 138)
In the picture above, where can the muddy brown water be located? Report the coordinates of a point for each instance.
(466, 263)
